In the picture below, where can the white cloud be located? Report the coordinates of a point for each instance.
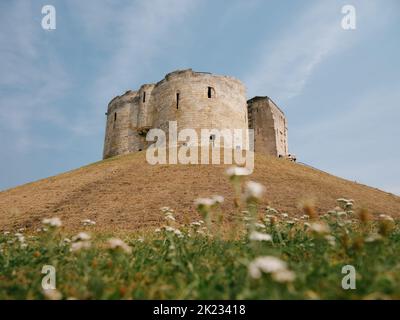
(31, 79)
(139, 32)
(287, 61)
(143, 27)
(35, 82)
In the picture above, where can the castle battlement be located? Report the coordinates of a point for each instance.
(197, 100)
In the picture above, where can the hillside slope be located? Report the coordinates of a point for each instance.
(125, 193)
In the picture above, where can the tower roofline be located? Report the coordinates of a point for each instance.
(258, 98)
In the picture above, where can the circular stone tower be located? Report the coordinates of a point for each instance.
(200, 101)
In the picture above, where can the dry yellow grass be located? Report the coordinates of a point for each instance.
(125, 193)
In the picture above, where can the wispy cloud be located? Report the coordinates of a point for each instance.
(286, 63)
(31, 79)
(144, 27)
(35, 82)
(140, 30)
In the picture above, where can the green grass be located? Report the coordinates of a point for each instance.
(165, 265)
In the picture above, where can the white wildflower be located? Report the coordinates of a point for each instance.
(218, 199)
(88, 222)
(169, 229)
(386, 217)
(177, 232)
(272, 211)
(20, 238)
(253, 190)
(115, 244)
(373, 238)
(348, 206)
(206, 202)
(258, 236)
(52, 222)
(157, 230)
(169, 217)
(266, 264)
(342, 201)
(331, 239)
(237, 171)
(284, 215)
(81, 236)
(319, 227)
(77, 246)
(259, 225)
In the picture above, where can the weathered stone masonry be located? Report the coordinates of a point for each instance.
(196, 100)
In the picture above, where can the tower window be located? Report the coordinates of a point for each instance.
(144, 96)
(212, 139)
(115, 120)
(210, 92)
(177, 100)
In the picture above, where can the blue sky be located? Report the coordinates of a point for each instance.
(340, 89)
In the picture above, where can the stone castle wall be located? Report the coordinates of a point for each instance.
(118, 125)
(196, 100)
(270, 127)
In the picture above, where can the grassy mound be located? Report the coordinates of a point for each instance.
(125, 193)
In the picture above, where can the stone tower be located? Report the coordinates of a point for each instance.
(196, 100)
(270, 127)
